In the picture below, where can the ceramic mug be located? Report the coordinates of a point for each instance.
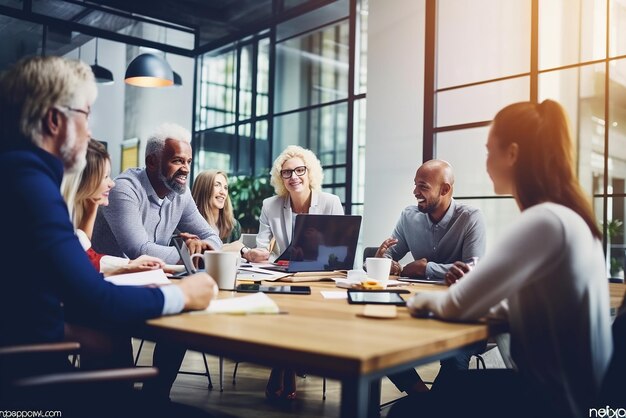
(222, 266)
(378, 268)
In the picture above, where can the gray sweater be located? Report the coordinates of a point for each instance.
(137, 222)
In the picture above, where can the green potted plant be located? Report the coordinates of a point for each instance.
(247, 194)
(613, 230)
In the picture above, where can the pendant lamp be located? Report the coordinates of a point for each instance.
(149, 70)
(102, 75)
(178, 81)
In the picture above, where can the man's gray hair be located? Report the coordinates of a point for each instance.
(34, 85)
(156, 141)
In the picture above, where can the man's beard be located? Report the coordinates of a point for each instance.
(429, 207)
(74, 159)
(172, 184)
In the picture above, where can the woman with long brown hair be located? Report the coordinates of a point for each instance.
(547, 277)
(210, 192)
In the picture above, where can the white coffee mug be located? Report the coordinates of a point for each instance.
(222, 266)
(378, 268)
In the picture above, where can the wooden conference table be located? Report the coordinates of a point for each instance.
(327, 337)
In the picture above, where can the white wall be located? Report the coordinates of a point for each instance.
(107, 120)
(107, 113)
(395, 78)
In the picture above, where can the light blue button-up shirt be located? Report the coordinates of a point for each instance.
(458, 236)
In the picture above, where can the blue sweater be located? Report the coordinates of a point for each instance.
(46, 272)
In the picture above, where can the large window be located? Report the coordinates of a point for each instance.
(299, 82)
(489, 53)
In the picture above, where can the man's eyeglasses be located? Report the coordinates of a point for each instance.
(300, 171)
(84, 112)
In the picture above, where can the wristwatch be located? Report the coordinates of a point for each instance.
(244, 250)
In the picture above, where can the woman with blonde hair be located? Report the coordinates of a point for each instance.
(297, 179)
(546, 277)
(84, 192)
(210, 192)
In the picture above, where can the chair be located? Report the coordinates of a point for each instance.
(612, 391)
(60, 388)
(369, 252)
(480, 361)
(249, 240)
(206, 373)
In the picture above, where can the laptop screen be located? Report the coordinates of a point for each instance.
(185, 257)
(323, 243)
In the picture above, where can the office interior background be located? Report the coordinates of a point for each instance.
(373, 87)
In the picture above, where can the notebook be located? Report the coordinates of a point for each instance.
(320, 243)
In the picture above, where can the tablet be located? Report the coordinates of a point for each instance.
(375, 298)
(291, 290)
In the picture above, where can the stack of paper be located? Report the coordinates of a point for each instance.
(249, 304)
(142, 278)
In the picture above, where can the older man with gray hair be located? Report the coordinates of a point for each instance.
(147, 205)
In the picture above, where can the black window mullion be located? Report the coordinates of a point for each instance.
(237, 103)
(428, 143)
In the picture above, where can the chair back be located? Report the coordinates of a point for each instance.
(249, 240)
(613, 392)
(369, 252)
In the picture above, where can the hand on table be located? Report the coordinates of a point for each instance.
(257, 255)
(415, 268)
(456, 272)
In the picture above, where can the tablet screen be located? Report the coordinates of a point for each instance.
(380, 298)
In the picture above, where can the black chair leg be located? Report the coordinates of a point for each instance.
(206, 368)
(138, 352)
(480, 361)
(235, 373)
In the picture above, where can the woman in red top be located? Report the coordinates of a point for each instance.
(84, 192)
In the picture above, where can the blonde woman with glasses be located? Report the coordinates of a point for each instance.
(297, 179)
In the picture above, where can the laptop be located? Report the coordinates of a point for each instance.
(185, 257)
(320, 243)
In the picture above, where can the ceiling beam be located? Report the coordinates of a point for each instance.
(94, 31)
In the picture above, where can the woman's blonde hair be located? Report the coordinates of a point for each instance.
(202, 191)
(78, 187)
(313, 168)
(544, 170)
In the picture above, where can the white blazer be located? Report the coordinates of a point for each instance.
(276, 217)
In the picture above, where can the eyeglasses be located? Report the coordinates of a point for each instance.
(300, 171)
(84, 112)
